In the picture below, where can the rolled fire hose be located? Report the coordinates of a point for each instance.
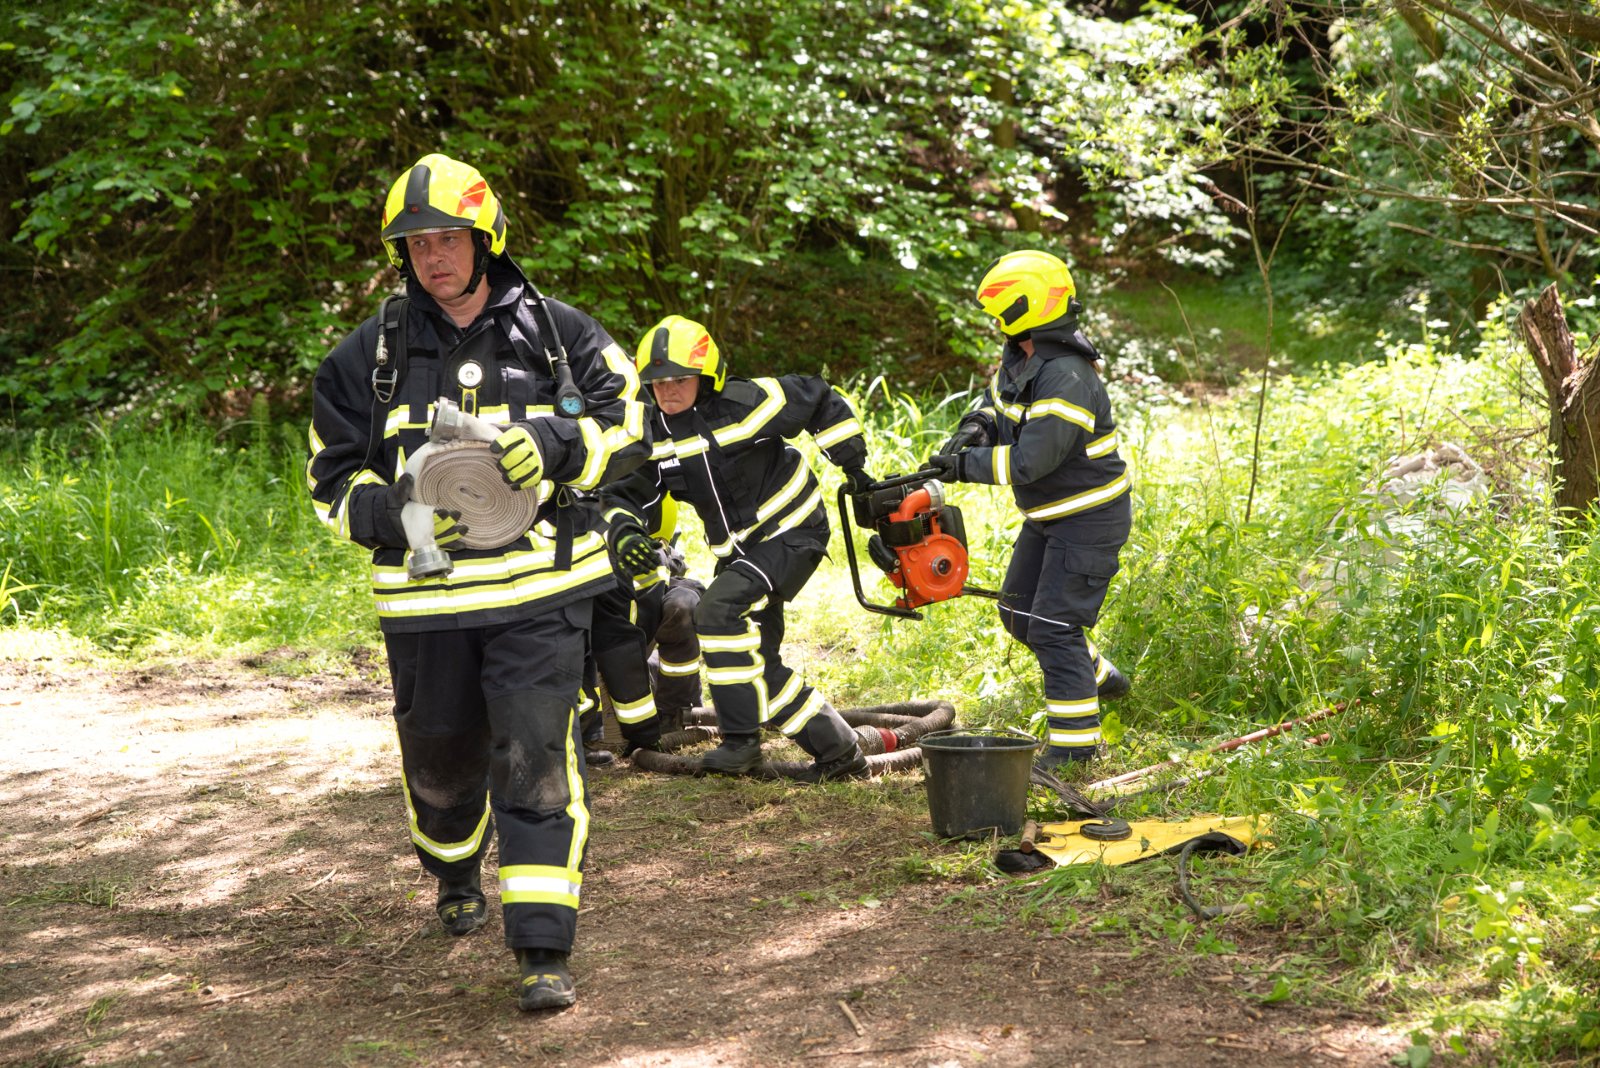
(456, 471)
(887, 734)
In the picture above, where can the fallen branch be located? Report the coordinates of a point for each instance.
(1233, 743)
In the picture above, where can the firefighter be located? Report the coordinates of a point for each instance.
(650, 691)
(485, 660)
(1045, 429)
(720, 447)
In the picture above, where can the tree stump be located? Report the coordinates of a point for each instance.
(1573, 390)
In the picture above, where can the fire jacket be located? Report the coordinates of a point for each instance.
(1057, 442)
(728, 457)
(563, 558)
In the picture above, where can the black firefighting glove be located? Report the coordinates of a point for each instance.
(633, 549)
(947, 466)
(517, 451)
(447, 525)
(976, 428)
(856, 479)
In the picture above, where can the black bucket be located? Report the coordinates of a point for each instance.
(977, 780)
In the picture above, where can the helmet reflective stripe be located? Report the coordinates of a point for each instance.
(439, 193)
(679, 348)
(1025, 290)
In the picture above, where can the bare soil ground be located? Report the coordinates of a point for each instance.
(206, 864)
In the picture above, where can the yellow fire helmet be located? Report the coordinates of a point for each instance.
(676, 348)
(439, 193)
(1025, 290)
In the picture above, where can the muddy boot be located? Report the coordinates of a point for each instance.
(1116, 684)
(835, 752)
(739, 754)
(597, 757)
(672, 719)
(461, 906)
(546, 982)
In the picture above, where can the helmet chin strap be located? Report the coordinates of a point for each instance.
(480, 263)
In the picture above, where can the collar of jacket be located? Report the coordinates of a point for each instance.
(1049, 343)
(505, 292)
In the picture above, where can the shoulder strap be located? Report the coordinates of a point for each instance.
(391, 359)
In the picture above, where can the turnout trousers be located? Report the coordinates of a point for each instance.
(639, 683)
(1054, 588)
(488, 723)
(739, 621)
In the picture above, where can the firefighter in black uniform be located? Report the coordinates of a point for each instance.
(652, 605)
(1045, 429)
(719, 446)
(486, 659)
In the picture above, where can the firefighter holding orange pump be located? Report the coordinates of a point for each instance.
(1045, 428)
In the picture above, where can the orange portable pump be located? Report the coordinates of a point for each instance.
(919, 541)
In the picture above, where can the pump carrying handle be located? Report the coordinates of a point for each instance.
(850, 554)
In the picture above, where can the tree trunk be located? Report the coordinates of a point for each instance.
(1573, 388)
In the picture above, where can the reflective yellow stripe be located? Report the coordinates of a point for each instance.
(787, 694)
(1102, 446)
(443, 850)
(1079, 502)
(577, 809)
(1075, 737)
(543, 884)
(636, 711)
(1062, 409)
(1002, 465)
(511, 590)
(807, 713)
(838, 432)
(759, 416)
(730, 643)
(730, 676)
(675, 669)
(1012, 412)
(685, 448)
(662, 450)
(1087, 707)
(594, 454)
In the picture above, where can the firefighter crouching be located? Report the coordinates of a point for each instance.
(719, 446)
(1045, 429)
(486, 660)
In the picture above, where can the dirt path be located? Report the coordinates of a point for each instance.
(206, 865)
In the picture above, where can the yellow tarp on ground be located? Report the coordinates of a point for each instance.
(1063, 843)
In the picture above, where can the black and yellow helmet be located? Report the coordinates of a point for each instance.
(439, 193)
(1026, 290)
(676, 348)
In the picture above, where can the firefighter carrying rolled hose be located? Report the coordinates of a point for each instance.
(486, 658)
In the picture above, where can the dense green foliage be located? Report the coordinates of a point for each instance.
(191, 190)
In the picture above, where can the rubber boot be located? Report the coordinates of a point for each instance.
(739, 754)
(1116, 684)
(835, 752)
(461, 905)
(546, 982)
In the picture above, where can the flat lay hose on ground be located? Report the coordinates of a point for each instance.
(904, 722)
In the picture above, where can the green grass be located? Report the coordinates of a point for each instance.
(1438, 859)
(1201, 328)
